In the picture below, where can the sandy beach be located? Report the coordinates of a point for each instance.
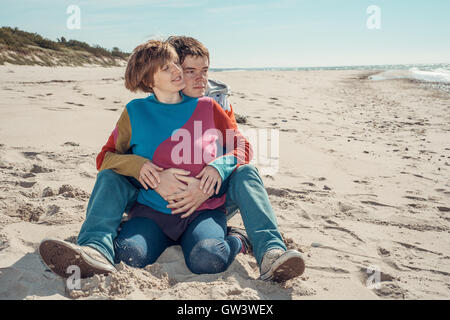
(362, 187)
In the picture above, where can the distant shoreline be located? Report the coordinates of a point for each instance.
(356, 67)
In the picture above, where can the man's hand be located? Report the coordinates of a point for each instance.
(170, 183)
(148, 176)
(210, 179)
(190, 199)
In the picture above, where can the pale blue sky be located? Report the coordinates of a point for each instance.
(255, 33)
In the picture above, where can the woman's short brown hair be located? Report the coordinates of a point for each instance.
(144, 62)
(188, 46)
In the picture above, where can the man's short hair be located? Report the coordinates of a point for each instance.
(188, 46)
(144, 62)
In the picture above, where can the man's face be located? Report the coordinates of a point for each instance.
(195, 71)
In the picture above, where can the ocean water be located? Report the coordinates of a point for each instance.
(436, 73)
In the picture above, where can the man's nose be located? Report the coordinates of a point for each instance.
(200, 76)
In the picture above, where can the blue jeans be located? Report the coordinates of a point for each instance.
(114, 194)
(205, 246)
(245, 191)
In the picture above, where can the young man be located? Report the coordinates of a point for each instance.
(115, 193)
(245, 189)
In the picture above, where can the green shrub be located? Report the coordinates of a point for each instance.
(26, 43)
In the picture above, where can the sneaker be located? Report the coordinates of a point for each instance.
(279, 265)
(58, 255)
(242, 235)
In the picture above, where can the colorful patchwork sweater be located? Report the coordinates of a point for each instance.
(189, 135)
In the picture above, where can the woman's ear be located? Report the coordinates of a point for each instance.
(147, 83)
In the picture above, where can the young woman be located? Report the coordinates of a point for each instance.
(170, 130)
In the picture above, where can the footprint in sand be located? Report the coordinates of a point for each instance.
(75, 104)
(30, 155)
(48, 192)
(53, 209)
(28, 212)
(416, 206)
(69, 191)
(391, 290)
(346, 208)
(383, 252)
(39, 169)
(285, 193)
(71, 144)
(27, 184)
(289, 130)
(361, 181)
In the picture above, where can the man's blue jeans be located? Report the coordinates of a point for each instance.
(245, 191)
(114, 194)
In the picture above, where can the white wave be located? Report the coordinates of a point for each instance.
(437, 75)
(440, 75)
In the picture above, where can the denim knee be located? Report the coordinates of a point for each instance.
(246, 170)
(108, 175)
(131, 253)
(208, 256)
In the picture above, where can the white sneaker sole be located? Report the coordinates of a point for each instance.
(59, 255)
(289, 265)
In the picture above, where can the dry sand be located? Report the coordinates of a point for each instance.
(363, 182)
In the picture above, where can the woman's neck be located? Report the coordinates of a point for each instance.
(168, 98)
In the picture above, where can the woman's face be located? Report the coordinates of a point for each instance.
(169, 78)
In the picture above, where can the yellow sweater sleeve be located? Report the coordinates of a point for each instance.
(119, 161)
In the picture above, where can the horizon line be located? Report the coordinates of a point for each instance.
(335, 66)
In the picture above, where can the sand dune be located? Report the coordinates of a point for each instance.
(362, 184)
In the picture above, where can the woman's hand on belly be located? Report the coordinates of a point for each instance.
(190, 199)
(169, 184)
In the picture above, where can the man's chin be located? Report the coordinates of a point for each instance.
(195, 93)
